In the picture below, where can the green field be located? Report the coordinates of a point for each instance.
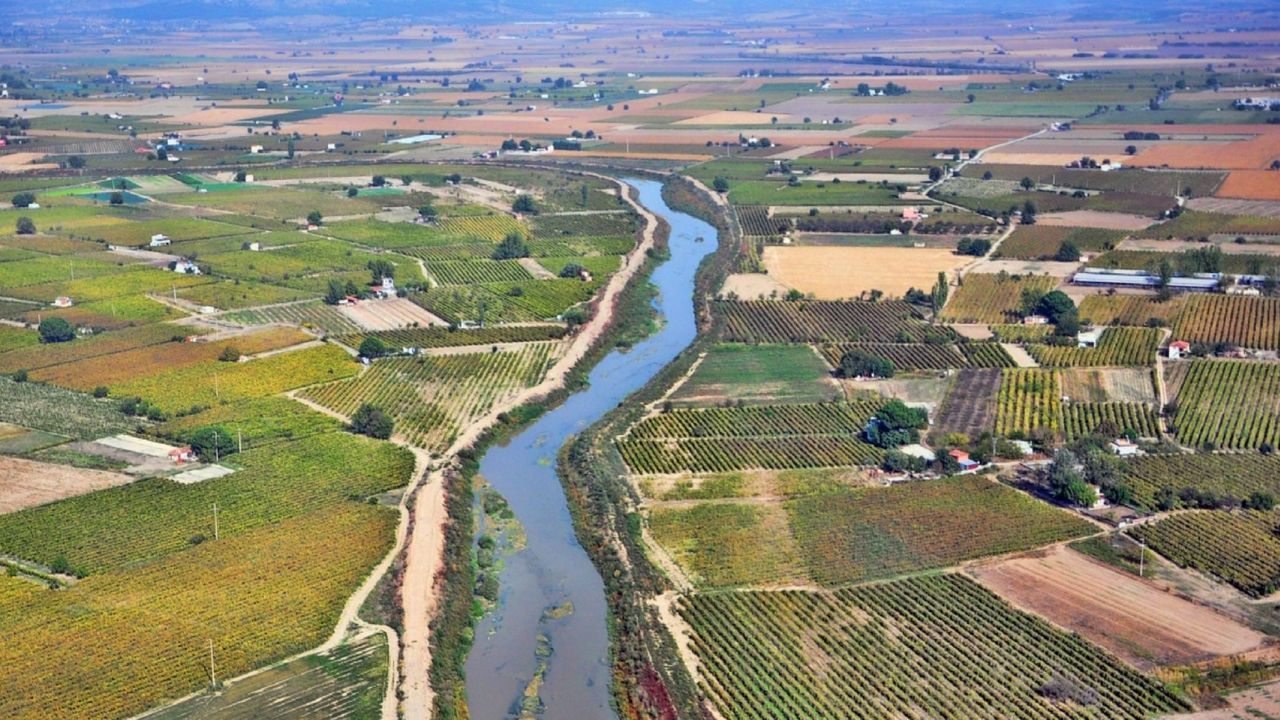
(757, 373)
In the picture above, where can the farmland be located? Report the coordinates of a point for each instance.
(980, 657)
(992, 298)
(1116, 347)
(1245, 321)
(823, 321)
(433, 397)
(721, 439)
(1240, 548)
(926, 356)
(1029, 401)
(757, 373)
(1212, 476)
(1230, 405)
(1042, 242)
(970, 405)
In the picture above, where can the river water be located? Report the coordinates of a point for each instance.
(552, 569)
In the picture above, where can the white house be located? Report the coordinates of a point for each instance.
(1122, 447)
(255, 149)
(62, 301)
(186, 267)
(159, 240)
(1089, 338)
(1178, 349)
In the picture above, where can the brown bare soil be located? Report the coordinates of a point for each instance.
(25, 483)
(389, 314)
(970, 406)
(1096, 219)
(1138, 622)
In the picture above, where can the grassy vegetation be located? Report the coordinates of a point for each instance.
(757, 373)
(60, 411)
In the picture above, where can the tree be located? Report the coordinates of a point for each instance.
(857, 363)
(117, 198)
(1260, 500)
(213, 443)
(353, 191)
(241, 176)
(25, 226)
(428, 212)
(1054, 304)
(229, 354)
(935, 173)
(315, 218)
(291, 149)
(940, 291)
(720, 185)
(24, 199)
(373, 347)
(75, 162)
(379, 268)
(372, 421)
(895, 424)
(1130, 149)
(1067, 252)
(988, 175)
(56, 330)
(334, 294)
(512, 246)
(525, 204)
(973, 246)
(1027, 183)
(378, 181)
(586, 195)
(1028, 213)
(1067, 484)
(970, 98)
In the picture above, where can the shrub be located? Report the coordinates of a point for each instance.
(373, 347)
(24, 199)
(857, 363)
(372, 421)
(572, 270)
(229, 354)
(25, 226)
(525, 204)
(512, 246)
(55, 330)
(101, 391)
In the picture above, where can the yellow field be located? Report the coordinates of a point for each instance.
(834, 273)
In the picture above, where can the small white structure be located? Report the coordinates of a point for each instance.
(1123, 447)
(186, 267)
(255, 247)
(1024, 446)
(331, 147)
(62, 301)
(1035, 320)
(1089, 338)
(248, 178)
(1179, 349)
(918, 451)
(255, 149)
(160, 240)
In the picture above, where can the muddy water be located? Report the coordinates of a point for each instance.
(552, 569)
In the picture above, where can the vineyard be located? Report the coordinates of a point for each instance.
(926, 356)
(1029, 401)
(755, 221)
(939, 646)
(119, 528)
(435, 337)
(253, 422)
(1229, 405)
(433, 397)
(1129, 309)
(65, 412)
(970, 404)
(1041, 242)
(871, 533)
(826, 321)
(478, 271)
(1219, 476)
(1239, 548)
(1118, 347)
(214, 382)
(992, 298)
(97, 345)
(1085, 418)
(310, 314)
(1252, 322)
(140, 637)
(768, 436)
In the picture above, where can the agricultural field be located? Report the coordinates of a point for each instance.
(1029, 402)
(1042, 242)
(1235, 475)
(433, 397)
(932, 642)
(992, 298)
(1194, 225)
(1130, 309)
(96, 345)
(1251, 322)
(873, 533)
(1087, 418)
(1229, 405)
(60, 411)
(970, 405)
(890, 270)
(1117, 347)
(823, 321)
(770, 436)
(312, 314)
(1239, 548)
(775, 374)
(256, 422)
(911, 357)
(438, 337)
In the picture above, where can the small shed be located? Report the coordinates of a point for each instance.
(1123, 447)
(160, 240)
(1179, 349)
(62, 301)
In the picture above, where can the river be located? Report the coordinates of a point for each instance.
(552, 569)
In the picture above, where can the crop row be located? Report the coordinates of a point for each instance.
(926, 356)
(1235, 475)
(313, 314)
(757, 420)
(1229, 404)
(992, 298)
(826, 321)
(939, 645)
(742, 453)
(1118, 346)
(478, 271)
(1029, 400)
(1109, 418)
(1252, 322)
(1239, 548)
(434, 337)
(432, 397)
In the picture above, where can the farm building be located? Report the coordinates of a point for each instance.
(62, 301)
(159, 240)
(186, 267)
(962, 458)
(1122, 447)
(1035, 320)
(1178, 349)
(1142, 279)
(1088, 338)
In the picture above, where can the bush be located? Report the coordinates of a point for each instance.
(19, 376)
(230, 354)
(525, 204)
(572, 270)
(24, 199)
(101, 391)
(370, 420)
(372, 347)
(25, 226)
(512, 246)
(1061, 688)
(212, 443)
(55, 330)
(973, 246)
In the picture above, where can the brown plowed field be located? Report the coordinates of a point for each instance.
(1138, 622)
(24, 483)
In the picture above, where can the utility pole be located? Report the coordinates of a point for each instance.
(216, 456)
(1142, 560)
(239, 439)
(213, 677)
(215, 521)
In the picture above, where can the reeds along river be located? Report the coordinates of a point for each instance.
(552, 570)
